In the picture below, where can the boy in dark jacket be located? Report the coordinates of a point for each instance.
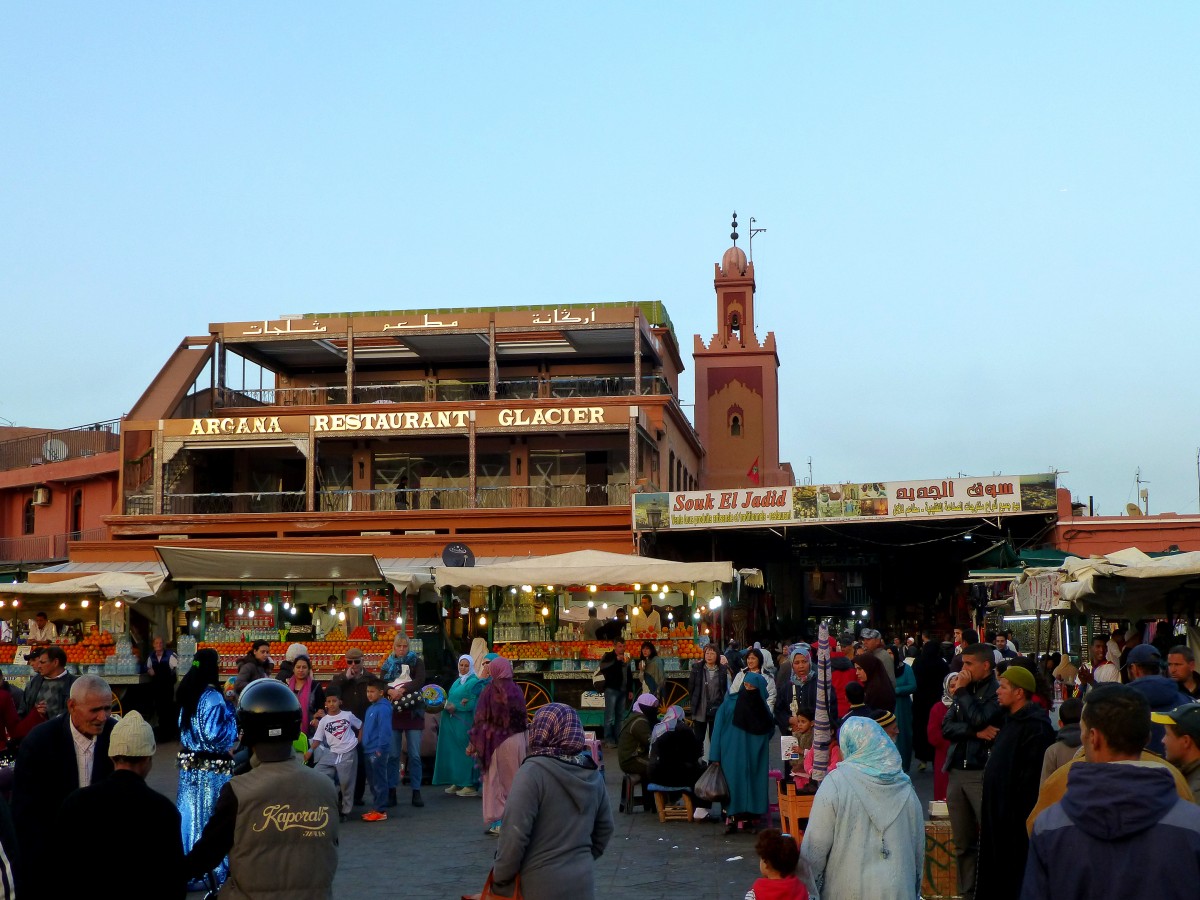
(376, 741)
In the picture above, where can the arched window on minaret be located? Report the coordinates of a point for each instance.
(737, 420)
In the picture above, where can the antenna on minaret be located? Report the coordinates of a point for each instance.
(734, 227)
(753, 232)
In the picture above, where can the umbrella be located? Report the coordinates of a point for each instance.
(822, 730)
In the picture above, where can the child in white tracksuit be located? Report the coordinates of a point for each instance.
(334, 748)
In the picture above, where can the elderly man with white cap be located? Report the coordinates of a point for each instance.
(127, 805)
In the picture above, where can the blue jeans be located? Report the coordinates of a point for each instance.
(614, 713)
(378, 766)
(414, 759)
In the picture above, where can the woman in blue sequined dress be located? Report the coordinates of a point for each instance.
(207, 733)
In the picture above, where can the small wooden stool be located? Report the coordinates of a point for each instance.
(673, 813)
(794, 810)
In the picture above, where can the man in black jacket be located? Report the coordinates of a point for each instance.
(614, 668)
(127, 806)
(1010, 786)
(971, 725)
(49, 766)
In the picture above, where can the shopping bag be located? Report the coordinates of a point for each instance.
(489, 894)
(711, 787)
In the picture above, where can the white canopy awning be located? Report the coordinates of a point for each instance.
(584, 567)
(109, 585)
(1128, 584)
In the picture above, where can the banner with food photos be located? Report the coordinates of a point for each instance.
(872, 501)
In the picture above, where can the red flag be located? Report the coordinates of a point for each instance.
(753, 473)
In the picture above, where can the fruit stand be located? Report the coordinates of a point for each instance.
(535, 610)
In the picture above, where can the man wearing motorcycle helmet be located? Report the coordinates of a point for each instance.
(278, 823)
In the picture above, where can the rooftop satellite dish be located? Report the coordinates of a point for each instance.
(55, 450)
(1133, 509)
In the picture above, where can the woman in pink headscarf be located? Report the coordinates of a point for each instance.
(497, 739)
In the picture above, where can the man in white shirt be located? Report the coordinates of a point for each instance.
(334, 747)
(1102, 670)
(648, 618)
(41, 628)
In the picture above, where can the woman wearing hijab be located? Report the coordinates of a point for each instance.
(207, 732)
(557, 821)
(906, 685)
(933, 731)
(310, 695)
(930, 671)
(741, 744)
(633, 744)
(674, 752)
(799, 690)
(866, 834)
(452, 766)
(881, 693)
(497, 739)
(753, 660)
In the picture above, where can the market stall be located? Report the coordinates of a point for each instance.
(101, 622)
(537, 613)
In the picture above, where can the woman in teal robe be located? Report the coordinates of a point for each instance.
(452, 765)
(906, 686)
(741, 743)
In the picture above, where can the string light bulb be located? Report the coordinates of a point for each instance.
(16, 603)
(62, 605)
(637, 587)
(654, 587)
(241, 610)
(670, 616)
(196, 622)
(84, 602)
(637, 610)
(483, 620)
(399, 620)
(604, 606)
(267, 607)
(341, 615)
(527, 588)
(662, 595)
(696, 615)
(118, 604)
(592, 588)
(591, 604)
(545, 610)
(357, 601)
(715, 603)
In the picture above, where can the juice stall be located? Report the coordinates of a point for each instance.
(537, 613)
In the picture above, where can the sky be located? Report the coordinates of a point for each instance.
(980, 253)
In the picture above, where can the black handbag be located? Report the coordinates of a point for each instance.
(711, 787)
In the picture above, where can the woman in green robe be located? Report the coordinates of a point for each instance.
(452, 765)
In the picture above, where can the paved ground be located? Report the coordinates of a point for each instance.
(441, 851)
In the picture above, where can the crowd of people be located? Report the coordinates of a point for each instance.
(1119, 778)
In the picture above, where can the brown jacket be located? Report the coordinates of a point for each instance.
(1054, 788)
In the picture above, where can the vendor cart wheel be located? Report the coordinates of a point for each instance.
(536, 697)
(675, 693)
(116, 705)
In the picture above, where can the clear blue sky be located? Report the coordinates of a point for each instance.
(982, 218)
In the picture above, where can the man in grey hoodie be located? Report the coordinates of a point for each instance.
(1067, 742)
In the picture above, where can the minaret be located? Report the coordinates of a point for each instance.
(737, 387)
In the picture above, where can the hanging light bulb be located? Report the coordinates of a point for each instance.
(592, 588)
(715, 603)
(341, 615)
(670, 616)
(62, 605)
(654, 587)
(292, 611)
(545, 610)
(483, 620)
(591, 604)
(527, 588)
(267, 607)
(637, 610)
(706, 629)
(16, 603)
(399, 620)
(696, 615)
(196, 623)
(604, 606)
(662, 595)
(286, 606)
(550, 588)
(241, 610)
(357, 600)
(637, 587)
(118, 604)
(84, 602)
(512, 590)
(1, 604)
(250, 614)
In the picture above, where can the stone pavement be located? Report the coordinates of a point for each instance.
(441, 851)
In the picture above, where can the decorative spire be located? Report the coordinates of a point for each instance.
(734, 227)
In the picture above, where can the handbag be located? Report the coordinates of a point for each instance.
(598, 679)
(488, 893)
(711, 787)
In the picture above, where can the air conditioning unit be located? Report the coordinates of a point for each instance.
(41, 496)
